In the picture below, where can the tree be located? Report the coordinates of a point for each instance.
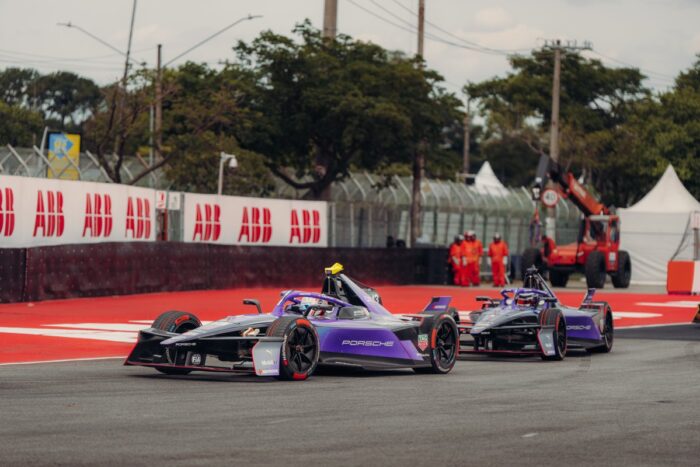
(327, 106)
(18, 125)
(595, 102)
(66, 98)
(17, 86)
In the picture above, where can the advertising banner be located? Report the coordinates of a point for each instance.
(37, 212)
(235, 220)
(64, 156)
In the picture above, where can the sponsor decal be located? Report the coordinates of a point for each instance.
(185, 344)
(578, 327)
(49, 220)
(196, 359)
(308, 230)
(356, 343)
(7, 212)
(256, 225)
(138, 218)
(422, 342)
(98, 216)
(207, 224)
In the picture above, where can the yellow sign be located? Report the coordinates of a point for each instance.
(64, 156)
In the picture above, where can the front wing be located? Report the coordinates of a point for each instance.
(238, 354)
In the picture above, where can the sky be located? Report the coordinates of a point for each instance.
(661, 37)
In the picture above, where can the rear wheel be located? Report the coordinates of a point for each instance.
(300, 349)
(554, 318)
(444, 341)
(532, 257)
(621, 279)
(608, 333)
(595, 270)
(558, 278)
(177, 322)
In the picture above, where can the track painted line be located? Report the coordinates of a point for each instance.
(66, 360)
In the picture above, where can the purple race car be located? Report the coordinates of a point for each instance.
(531, 320)
(344, 325)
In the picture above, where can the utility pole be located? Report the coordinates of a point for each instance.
(467, 141)
(121, 129)
(419, 160)
(556, 46)
(159, 105)
(330, 19)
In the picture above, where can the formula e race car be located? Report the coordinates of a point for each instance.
(344, 325)
(531, 320)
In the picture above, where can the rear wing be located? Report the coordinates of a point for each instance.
(438, 305)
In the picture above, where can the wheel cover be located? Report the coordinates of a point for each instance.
(301, 349)
(445, 345)
(608, 333)
(561, 336)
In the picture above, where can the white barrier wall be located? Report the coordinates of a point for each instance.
(234, 220)
(38, 212)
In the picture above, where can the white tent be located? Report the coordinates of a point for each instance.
(486, 182)
(653, 228)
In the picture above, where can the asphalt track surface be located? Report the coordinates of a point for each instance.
(635, 406)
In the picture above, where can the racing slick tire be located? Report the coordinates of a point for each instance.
(621, 279)
(444, 345)
(608, 333)
(558, 278)
(531, 257)
(300, 347)
(595, 270)
(553, 317)
(177, 322)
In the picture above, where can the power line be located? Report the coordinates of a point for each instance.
(620, 62)
(430, 36)
(445, 31)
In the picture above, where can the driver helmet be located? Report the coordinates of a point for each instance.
(527, 299)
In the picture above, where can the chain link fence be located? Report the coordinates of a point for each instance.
(364, 212)
(33, 162)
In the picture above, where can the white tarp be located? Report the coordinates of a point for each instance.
(236, 220)
(486, 182)
(38, 212)
(653, 228)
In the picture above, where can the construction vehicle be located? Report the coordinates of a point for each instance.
(596, 253)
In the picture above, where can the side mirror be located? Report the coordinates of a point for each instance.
(551, 300)
(252, 301)
(482, 298)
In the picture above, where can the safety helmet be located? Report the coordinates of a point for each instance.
(497, 236)
(459, 238)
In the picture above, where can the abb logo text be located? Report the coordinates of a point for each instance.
(98, 215)
(7, 212)
(309, 230)
(257, 226)
(207, 224)
(49, 214)
(138, 218)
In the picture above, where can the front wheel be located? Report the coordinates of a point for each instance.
(553, 318)
(444, 342)
(177, 322)
(595, 270)
(300, 349)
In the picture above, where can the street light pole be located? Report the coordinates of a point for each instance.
(233, 163)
